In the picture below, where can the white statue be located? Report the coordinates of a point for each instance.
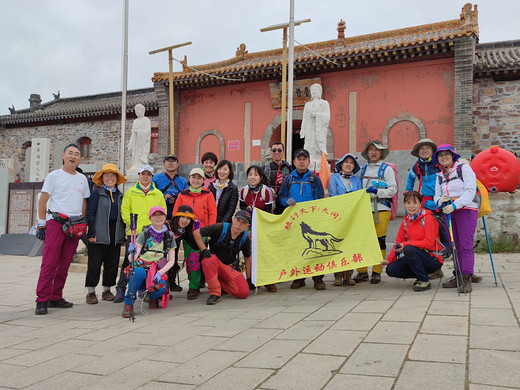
(316, 118)
(139, 143)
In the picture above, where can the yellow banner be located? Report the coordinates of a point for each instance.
(314, 238)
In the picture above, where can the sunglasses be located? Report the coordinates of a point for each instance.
(277, 150)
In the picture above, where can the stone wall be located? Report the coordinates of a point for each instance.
(105, 136)
(504, 218)
(496, 114)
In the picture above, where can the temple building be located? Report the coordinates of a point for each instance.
(398, 86)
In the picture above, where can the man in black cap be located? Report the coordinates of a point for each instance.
(220, 262)
(276, 171)
(170, 183)
(300, 186)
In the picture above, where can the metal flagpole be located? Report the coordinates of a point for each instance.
(290, 88)
(123, 94)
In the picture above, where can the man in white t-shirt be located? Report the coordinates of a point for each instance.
(66, 192)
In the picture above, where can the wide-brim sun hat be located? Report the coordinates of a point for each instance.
(185, 211)
(340, 161)
(155, 209)
(377, 144)
(108, 168)
(445, 147)
(423, 142)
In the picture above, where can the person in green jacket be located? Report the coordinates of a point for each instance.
(138, 199)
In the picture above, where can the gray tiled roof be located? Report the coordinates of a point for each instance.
(83, 106)
(497, 57)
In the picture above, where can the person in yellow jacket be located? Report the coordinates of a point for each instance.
(138, 199)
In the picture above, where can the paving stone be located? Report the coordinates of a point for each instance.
(163, 386)
(230, 328)
(372, 307)
(305, 330)
(492, 301)
(336, 342)
(281, 320)
(495, 337)
(496, 317)
(250, 378)
(263, 312)
(248, 340)
(431, 376)
(365, 382)
(495, 368)
(408, 314)
(448, 325)
(305, 371)
(357, 321)
(439, 348)
(66, 380)
(273, 354)
(393, 332)
(449, 308)
(485, 387)
(376, 359)
(198, 370)
(188, 349)
(132, 376)
(332, 313)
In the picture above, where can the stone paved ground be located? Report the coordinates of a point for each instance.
(361, 337)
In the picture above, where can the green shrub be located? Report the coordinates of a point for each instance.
(504, 243)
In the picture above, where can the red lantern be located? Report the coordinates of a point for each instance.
(498, 169)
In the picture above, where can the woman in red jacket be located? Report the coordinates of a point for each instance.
(413, 254)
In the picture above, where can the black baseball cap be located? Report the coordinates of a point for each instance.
(299, 152)
(243, 215)
(171, 156)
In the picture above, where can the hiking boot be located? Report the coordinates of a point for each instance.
(41, 308)
(298, 283)
(466, 286)
(175, 287)
(318, 283)
(376, 278)
(127, 311)
(270, 287)
(476, 278)
(107, 296)
(338, 279)
(193, 293)
(348, 280)
(422, 286)
(120, 295)
(212, 300)
(450, 283)
(91, 298)
(436, 275)
(154, 304)
(361, 277)
(61, 304)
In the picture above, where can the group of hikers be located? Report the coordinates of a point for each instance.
(162, 211)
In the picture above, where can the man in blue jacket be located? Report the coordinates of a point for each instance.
(170, 183)
(302, 185)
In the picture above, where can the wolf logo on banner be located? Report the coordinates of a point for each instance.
(317, 239)
(314, 238)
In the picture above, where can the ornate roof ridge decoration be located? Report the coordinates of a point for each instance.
(245, 63)
(83, 107)
(497, 57)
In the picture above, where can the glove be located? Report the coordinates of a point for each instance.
(372, 190)
(132, 248)
(40, 232)
(381, 184)
(205, 254)
(158, 277)
(449, 209)
(291, 202)
(444, 199)
(250, 284)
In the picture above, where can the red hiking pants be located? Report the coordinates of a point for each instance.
(221, 276)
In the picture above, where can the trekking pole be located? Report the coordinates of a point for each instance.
(133, 229)
(458, 273)
(489, 249)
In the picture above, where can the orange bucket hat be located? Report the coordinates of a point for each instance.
(109, 167)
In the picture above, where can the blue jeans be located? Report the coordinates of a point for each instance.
(139, 279)
(416, 263)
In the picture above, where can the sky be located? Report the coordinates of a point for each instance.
(76, 46)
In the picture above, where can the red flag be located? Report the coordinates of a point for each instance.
(324, 171)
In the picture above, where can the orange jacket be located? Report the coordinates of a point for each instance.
(202, 203)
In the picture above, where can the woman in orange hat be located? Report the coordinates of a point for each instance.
(106, 232)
